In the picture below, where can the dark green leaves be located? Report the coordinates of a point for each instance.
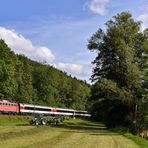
(121, 71)
(27, 81)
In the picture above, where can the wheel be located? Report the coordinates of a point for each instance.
(43, 122)
(36, 123)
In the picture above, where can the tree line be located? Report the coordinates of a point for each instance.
(24, 80)
(119, 94)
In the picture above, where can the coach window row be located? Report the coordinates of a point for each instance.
(7, 104)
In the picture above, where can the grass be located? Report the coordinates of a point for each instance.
(15, 132)
(13, 120)
(143, 143)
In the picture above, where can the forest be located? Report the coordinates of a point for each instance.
(24, 80)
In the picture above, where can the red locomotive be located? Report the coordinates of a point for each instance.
(8, 107)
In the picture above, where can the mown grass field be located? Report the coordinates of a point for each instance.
(15, 132)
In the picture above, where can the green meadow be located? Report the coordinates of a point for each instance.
(15, 132)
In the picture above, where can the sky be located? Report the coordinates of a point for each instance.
(57, 31)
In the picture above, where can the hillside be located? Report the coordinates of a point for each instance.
(24, 80)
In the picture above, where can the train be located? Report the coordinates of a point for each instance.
(7, 107)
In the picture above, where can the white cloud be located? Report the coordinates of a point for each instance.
(98, 6)
(70, 67)
(21, 45)
(144, 19)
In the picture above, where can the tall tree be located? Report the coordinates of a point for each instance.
(117, 71)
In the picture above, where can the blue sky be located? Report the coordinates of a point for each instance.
(57, 31)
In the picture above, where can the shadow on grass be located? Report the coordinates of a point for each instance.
(86, 128)
(25, 124)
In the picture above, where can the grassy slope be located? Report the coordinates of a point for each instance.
(75, 133)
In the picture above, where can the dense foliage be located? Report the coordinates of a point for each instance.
(120, 76)
(24, 80)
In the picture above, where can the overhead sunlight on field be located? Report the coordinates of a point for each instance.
(73, 133)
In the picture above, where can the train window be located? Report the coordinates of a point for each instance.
(36, 108)
(65, 111)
